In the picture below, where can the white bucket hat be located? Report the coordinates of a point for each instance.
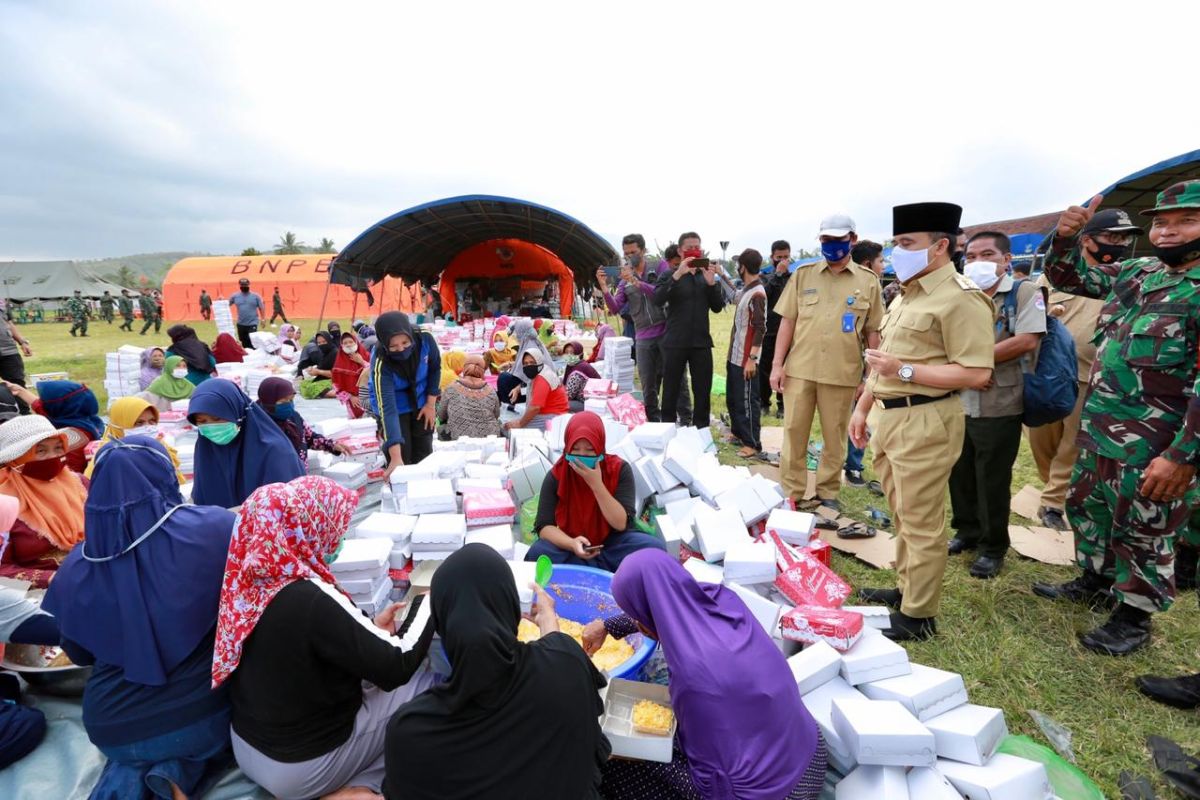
(20, 434)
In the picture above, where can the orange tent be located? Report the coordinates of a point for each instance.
(303, 281)
(500, 259)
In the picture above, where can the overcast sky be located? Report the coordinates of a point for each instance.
(129, 127)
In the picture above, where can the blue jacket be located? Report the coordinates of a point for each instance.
(391, 395)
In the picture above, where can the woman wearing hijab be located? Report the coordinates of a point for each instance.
(452, 367)
(313, 680)
(499, 357)
(514, 720)
(511, 385)
(348, 367)
(547, 397)
(316, 366)
(577, 373)
(545, 331)
(719, 658)
(21, 622)
(602, 333)
(139, 600)
(404, 389)
(152, 366)
(173, 385)
(289, 347)
(586, 507)
(240, 448)
(72, 408)
(277, 397)
(134, 416)
(228, 350)
(50, 518)
(201, 362)
(469, 406)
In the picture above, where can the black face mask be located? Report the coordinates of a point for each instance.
(1179, 254)
(245, 290)
(531, 370)
(1110, 253)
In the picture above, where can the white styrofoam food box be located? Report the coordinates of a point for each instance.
(819, 703)
(670, 534)
(432, 497)
(925, 691)
(882, 732)
(1004, 777)
(877, 617)
(717, 530)
(749, 562)
(497, 537)
(406, 473)
(653, 435)
(664, 499)
(523, 573)
(926, 783)
(703, 572)
(439, 529)
(765, 611)
(794, 527)
(683, 512)
(359, 555)
(397, 527)
(870, 782)
(815, 666)
(873, 658)
(620, 697)
(969, 733)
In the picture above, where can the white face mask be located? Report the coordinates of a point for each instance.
(180, 373)
(909, 263)
(144, 430)
(349, 348)
(983, 273)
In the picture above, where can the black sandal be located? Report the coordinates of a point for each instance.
(856, 530)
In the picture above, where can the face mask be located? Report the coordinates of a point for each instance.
(180, 373)
(143, 430)
(44, 470)
(349, 348)
(221, 433)
(1109, 253)
(285, 409)
(586, 461)
(908, 263)
(635, 260)
(1179, 254)
(531, 370)
(835, 251)
(332, 557)
(245, 290)
(983, 273)
(498, 346)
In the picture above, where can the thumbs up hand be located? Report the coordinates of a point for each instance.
(1075, 218)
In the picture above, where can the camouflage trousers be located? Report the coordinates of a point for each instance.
(1189, 536)
(1123, 536)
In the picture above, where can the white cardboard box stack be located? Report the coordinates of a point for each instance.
(436, 536)
(618, 362)
(122, 371)
(223, 317)
(361, 569)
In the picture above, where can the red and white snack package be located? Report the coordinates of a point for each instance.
(810, 624)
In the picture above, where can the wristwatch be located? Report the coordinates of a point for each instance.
(906, 372)
(754, 359)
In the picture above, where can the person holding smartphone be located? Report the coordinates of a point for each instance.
(586, 510)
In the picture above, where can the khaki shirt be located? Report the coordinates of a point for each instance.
(1079, 314)
(818, 298)
(1006, 397)
(940, 318)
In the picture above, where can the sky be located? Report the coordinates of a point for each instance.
(130, 127)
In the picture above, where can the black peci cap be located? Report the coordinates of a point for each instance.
(926, 217)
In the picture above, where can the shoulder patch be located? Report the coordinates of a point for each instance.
(965, 283)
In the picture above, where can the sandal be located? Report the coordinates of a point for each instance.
(825, 524)
(856, 530)
(747, 452)
(809, 505)
(875, 487)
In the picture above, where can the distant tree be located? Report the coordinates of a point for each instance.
(123, 277)
(326, 246)
(250, 251)
(289, 245)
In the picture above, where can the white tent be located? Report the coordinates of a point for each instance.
(51, 280)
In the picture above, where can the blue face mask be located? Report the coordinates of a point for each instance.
(586, 461)
(284, 409)
(835, 251)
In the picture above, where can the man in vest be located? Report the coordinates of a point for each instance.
(745, 346)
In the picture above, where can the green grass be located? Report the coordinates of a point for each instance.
(1015, 651)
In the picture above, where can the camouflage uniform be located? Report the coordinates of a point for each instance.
(106, 308)
(78, 309)
(150, 314)
(1142, 403)
(125, 306)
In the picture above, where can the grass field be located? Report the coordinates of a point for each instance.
(1015, 651)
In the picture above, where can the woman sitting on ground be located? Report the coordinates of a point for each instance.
(585, 511)
(405, 368)
(602, 333)
(72, 408)
(348, 367)
(33, 469)
(170, 387)
(577, 373)
(201, 362)
(228, 350)
(316, 368)
(21, 622)
(277, 397)
(313, 680)
(289, 343)
(139, 601)
(469, 406)
(545, 331)
(720, 658)
(546, 398)
(511, 385)
(499, 357)
(452, 366)
(135, 417)
(153, 359)
(534, 705)
(240, 448)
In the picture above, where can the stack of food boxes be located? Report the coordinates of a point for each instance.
(361, 570)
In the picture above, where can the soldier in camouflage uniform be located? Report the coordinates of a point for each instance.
(149, 312)
(1139, 435)
(125, 306)
(106, 307)
(77, 307)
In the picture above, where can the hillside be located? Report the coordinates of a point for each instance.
(153, 265)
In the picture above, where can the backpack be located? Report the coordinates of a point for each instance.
(1050, 391)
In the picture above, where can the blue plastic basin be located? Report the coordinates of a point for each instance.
(582, 594)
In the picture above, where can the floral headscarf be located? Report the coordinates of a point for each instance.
(284, 533)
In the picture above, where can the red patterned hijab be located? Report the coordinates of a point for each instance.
(283, 534)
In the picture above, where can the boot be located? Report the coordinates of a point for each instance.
(907, 629)
(1089, 588)
(1127, 631)
(888, 597)
(1185, 567)
(1183, 692)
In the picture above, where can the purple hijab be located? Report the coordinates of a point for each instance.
(742, 726)
(149, 374)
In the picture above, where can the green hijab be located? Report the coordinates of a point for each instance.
(168, 386)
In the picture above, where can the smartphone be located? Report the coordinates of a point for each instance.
(596, 548)
(613, 274)
(700, 263)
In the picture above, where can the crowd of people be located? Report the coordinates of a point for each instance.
(218, 634)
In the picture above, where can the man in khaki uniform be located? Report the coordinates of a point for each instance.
(1053, 446)
(829, 311)
(937, 339)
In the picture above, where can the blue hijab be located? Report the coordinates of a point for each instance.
(147, 609)
(71, 405)
(227, 474)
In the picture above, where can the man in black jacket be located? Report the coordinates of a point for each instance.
(689, 294)
(774, 282)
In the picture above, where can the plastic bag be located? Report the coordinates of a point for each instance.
(1068, 781)
(527, 517)
(718, 385)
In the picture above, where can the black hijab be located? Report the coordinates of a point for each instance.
(535, 706)
(321, 356)
(403, 364)
(194, 352)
